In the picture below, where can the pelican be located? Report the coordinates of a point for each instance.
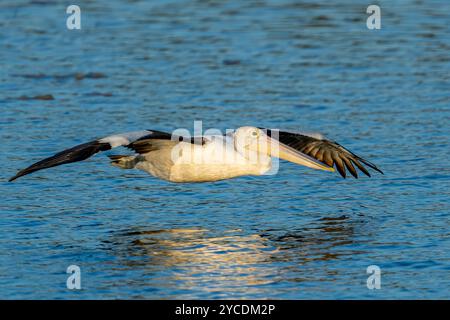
(245, 151)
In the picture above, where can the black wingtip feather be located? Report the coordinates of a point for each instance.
(350, 167)
(361, 167)
(74, 154)
(341, 170)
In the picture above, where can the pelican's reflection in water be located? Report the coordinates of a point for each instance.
(229, 264)
(325, 239)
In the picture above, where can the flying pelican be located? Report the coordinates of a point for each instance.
(246, 151)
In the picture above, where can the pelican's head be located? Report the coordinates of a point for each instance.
(249, 138)
(253, 142)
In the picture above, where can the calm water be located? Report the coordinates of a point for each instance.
(163, 64)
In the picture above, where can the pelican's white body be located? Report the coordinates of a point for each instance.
(216, 159)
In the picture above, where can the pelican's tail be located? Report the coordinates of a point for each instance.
(124, 162)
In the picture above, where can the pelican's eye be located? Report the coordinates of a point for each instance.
(254, 133)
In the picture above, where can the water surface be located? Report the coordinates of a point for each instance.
(282, 64)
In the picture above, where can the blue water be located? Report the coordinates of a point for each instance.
(161, 65)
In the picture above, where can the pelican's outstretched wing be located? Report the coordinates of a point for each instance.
(86, 150)
(326, 151)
